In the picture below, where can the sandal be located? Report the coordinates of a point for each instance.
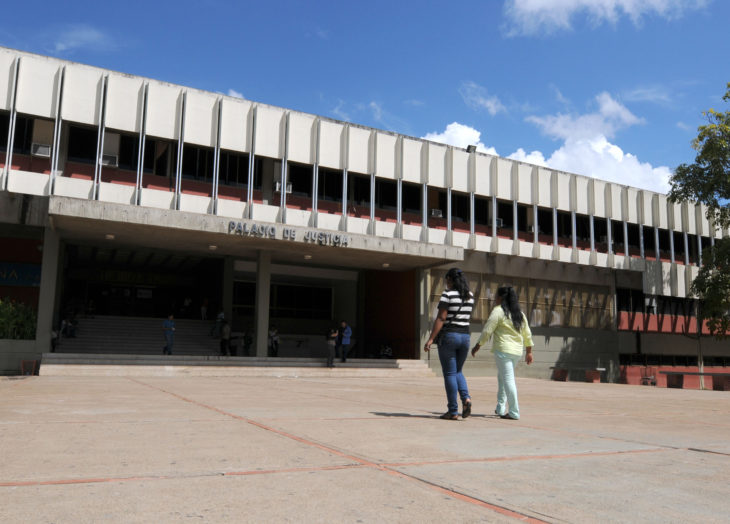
(466, 410)
(449, 416)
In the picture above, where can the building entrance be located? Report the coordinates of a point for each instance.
(139, 283)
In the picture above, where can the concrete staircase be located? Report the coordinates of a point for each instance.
(138, 336)
(87, 364)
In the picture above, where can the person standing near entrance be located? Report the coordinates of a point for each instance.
(225, 338)
(343, 340)
(511, 331)
(168, 328)
(273, 342)
(331, 346)
(451, 333)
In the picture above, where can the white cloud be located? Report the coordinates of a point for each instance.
(529, 17)
(476, 97)
(683, 126)
(234, 93)
(534, 157)
(610, 117)
(587, 150)
(414, 103)
(385, 118)
(339, 111)
(655, 94)
(460, 135)
(80, 36)
(599, 158)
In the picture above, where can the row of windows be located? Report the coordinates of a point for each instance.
(287, 301)
(161, 157)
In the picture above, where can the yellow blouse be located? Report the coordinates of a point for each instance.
(506, 338)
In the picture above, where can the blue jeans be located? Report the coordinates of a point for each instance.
(453, 350)
(506, 387)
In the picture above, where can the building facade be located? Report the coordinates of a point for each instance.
(123, 196)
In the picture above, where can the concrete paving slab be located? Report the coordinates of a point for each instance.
(222, 449)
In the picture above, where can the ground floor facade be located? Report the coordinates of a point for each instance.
(69, 260)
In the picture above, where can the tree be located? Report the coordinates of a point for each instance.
(707, 181)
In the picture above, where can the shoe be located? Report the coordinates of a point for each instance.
(449, 416)
(466, 410)
(508, 417)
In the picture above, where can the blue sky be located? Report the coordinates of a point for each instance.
(607, 88)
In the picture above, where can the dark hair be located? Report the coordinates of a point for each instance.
(458, 282)
(511, 305)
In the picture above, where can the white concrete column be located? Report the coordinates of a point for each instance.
(263, 283)
(46, 299)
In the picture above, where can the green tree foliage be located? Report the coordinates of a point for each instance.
(17, 320)
(707, 181)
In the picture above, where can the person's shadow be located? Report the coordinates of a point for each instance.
(432, 415)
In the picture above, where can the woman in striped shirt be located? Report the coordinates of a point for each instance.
(451, 326)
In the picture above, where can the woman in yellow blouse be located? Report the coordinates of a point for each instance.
(511, 331)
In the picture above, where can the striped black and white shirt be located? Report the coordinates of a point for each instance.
(459, 312)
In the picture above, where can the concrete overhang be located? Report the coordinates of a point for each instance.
(86, 221)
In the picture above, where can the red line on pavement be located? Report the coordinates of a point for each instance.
(363, 462)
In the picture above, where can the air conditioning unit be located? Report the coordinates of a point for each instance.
(277, 187)
(43, 150)
(436, 213)
(110, 160)
(500, 222)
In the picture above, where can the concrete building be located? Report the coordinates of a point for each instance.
(122, 196)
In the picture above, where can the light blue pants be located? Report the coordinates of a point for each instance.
(506, 387)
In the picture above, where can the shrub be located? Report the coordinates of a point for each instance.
(17, 320)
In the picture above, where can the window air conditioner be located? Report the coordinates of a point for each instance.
(277, 187)
(110, 160)
(436, 213)
(43, 150)
(531, 229)
(500, 222)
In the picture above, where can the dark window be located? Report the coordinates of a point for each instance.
(411, 197)
(600, 230)
(481, 211)
(460, 207)
(23, 135)
(634, 237)
(330, 185)
(678, 246)
(358, 189)
(545, 221)
(583, 227)
(504, 212)
(386, 194)
(300, 178)
(630, 300)
(649, 244)
(160, 157)
(617, 235)
(82, 144)
(197, 163)
(305, 302)
(4, 130)
(664, 243)
(522, 224)
(565, 225)
(128, 152)
(233, 170)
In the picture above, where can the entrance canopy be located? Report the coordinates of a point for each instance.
(83, 221)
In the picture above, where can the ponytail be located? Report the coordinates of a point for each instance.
(458, 282)
(511, 305)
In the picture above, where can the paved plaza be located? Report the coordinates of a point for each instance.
(241, 449)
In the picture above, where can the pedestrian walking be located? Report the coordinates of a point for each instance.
(450, 332)
(344, 334)
(508, 326)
